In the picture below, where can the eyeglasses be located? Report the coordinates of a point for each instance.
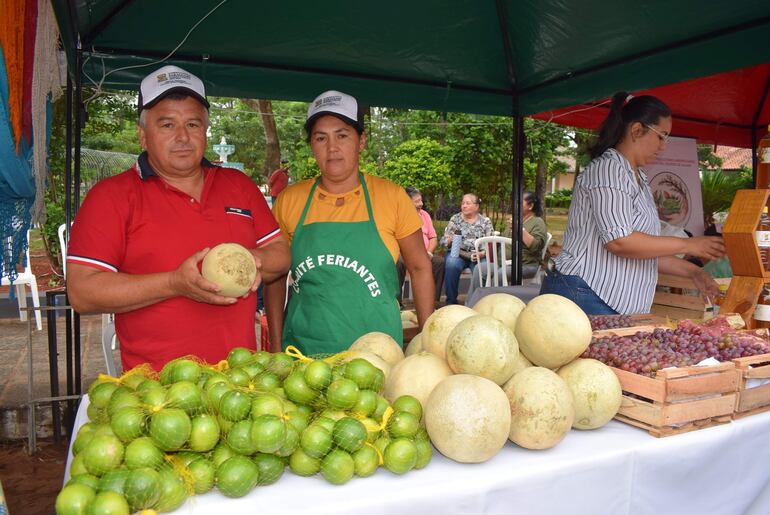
(663, 137)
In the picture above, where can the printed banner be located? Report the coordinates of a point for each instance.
(675, 184)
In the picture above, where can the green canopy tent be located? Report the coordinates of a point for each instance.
(498, 57)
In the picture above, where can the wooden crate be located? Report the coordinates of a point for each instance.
(687, 304)
(757, 399)
(678, 400)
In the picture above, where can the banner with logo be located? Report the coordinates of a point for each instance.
(675, 184)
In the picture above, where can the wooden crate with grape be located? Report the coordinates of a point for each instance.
(754, 384)
(663, 392)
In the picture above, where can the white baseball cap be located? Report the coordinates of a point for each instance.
(335, 103)
(170, 79)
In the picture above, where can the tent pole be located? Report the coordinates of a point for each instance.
(79, 123)
(517, 180)
(754, 156)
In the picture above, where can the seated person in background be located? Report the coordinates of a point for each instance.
(431, 242)
(139, 237)
(469, 225)
(533, 235)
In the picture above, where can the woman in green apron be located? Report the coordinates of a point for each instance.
(346, 230)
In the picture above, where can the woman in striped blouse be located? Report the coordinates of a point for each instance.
(612, 248)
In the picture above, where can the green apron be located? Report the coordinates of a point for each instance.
(344, 284)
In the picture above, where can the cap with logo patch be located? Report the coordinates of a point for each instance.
(334, 103)
(170, 79)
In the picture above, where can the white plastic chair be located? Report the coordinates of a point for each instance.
(494, 246)
(538, 279)
(25, 278)
(109, 338)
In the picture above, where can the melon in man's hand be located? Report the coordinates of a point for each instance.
(231, 267)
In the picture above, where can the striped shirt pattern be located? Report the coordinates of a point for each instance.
(608, 203)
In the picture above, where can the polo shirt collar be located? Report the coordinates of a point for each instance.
(145, 170)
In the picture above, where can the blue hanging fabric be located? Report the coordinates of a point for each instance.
(17, 187)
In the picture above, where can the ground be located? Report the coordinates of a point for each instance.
(32, 482)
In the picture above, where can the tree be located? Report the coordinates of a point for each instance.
(272, 142)
(421, 163)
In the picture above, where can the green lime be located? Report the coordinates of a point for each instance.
(224, 424)
(103, 453)
(403, 424)
(337, 467)
(400, 456)
(333, 414)
(239, 377)
(128, 423)
(382, 405)
(74, 499)
(170, 428)
(85, 433)
(363, 373)
(184, 458)
(89, 480)
(239, 438)
(316, 441)
(349, 434)
(366, 461)
(133, 381)
(165, 373)
(203, 474)
(108, 503)
(281, 365)
(143, 452)
(270, 468)
(100, 393)
(268, 433)
(422, 434)
(263, 357)
(342, 394)
(382, 443)
(298, 390)
(235, 405)
(267, 381)
(302, 464)
(173, 492)
(97, 415)
(77, 466)
(290, 443)
(409, 404)
(153, 398)
(222, 452)
(237, 476)
(318, 375)
(366, 403)
(204, 434)
(253, 369)
(142, 489)
(122, 398)
(424, 453)
(239, 356)
(185, 370)
(325, 422)
(114, 481)
(297, 420)
(214, 378)
(215, 392)
(185, 395)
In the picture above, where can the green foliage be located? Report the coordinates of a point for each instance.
(422, 163)
(707, 159)
(718, 190)
(559, 198)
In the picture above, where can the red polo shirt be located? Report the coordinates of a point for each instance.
(136, 223)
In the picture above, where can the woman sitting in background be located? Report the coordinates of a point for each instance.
(469, 225)
(533, 236)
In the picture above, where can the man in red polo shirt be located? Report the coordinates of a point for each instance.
(138, 238)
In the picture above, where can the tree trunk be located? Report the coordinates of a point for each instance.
(272, 144)
(540, 177)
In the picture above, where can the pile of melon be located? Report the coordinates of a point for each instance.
(154, 440)
(505, 371)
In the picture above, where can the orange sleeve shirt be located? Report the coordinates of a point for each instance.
(394, 212)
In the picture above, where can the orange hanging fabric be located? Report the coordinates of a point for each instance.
(12, 17)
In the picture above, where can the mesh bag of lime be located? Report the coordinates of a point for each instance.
(153, 440)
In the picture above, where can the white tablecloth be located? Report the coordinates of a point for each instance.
(617, 469)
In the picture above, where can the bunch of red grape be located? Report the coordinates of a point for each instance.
(645, 353)
(600, 322)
